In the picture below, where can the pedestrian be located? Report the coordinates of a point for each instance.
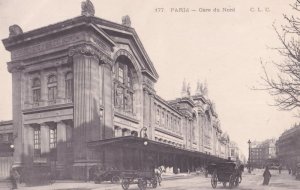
(14, 177)
(279, 169)
(267, 176)
(289, 170)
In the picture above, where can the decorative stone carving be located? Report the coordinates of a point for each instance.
(89, 50)
(87, 8)
(13, 67)
(119, 97)
(128, 55)
(128, 102)
(188, 90)
(15, 30)
(43, 47)
(126, 21)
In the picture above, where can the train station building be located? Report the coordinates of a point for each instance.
(83, 95)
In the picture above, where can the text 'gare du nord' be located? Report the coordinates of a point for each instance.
(83, 95)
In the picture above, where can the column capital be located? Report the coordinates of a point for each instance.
(90, 50)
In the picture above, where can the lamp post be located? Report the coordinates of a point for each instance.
(249, 167)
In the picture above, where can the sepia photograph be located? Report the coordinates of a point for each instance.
(136, 95)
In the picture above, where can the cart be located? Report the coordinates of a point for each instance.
(143, 179)
(110, 175)
(224, 173)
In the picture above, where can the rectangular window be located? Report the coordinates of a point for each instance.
(53, 138)
(121, 75)
(36, 95)
(52, 93)
(37, 142)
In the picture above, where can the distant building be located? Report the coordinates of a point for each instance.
(261, 152)
(234, 151)
(288, 147)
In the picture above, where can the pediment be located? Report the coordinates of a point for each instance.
(126, 36)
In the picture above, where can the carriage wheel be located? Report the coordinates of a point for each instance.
(224, 184)
(115, 179)
(125, 184)
(214, 180)
(240, 178)
(142, 184)
(231, 181)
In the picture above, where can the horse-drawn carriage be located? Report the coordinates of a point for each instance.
(143, 179)
(226, 172)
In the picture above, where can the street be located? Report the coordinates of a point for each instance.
(182, 182)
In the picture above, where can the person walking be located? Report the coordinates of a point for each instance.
(267, 176)
(279, 169)
(14, 177)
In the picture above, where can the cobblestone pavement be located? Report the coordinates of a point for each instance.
(192, 182)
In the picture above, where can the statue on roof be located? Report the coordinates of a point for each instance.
(188, 90)
(87, 8)
(15, 30)
(126, 20)
(198, 89)
(201, 89)
(184, 90)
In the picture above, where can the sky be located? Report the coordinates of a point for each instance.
(223, 49)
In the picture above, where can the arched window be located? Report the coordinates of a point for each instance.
(52, 87)
(124, 80)
(36, 90)
(69, 85)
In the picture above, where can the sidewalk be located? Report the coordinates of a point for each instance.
(81, 185)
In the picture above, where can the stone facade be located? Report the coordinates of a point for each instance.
(261, 152)
(288, 147)
(88, 79)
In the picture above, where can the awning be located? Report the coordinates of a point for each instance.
(150, 145)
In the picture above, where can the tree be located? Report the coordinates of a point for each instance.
(285, 86)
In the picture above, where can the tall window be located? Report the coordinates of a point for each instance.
(69, 86)
(124, 86)
(37, 142)
(36, 90)
(53, 137)
(129, 79)
(121, 73)
(52, 87)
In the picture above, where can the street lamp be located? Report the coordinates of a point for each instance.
(249, 142)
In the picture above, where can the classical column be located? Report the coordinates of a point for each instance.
(45, 141)
(87, 125)
(107, 129)
(18, 130)
(61, 142)
(152, 116)
(61, 147)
